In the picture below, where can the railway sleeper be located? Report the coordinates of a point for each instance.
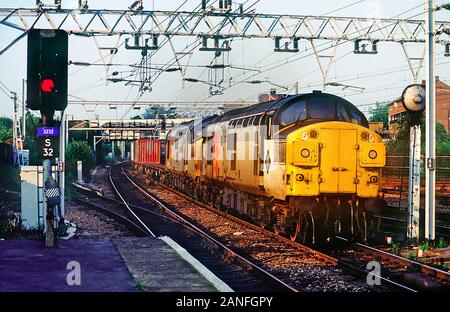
(310, 220)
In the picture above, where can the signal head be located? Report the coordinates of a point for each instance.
(413, 98)
(47, 85)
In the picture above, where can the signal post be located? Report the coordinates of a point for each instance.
(47, 62)
(413, 100)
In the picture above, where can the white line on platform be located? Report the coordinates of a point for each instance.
(204, 271)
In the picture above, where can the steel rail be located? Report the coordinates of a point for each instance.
(112, 213)
(411, 264)
(199, 231)
(344, 264)
(126, 204)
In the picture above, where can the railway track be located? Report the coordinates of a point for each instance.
(394, 275)
(410, 273)
(155, 219)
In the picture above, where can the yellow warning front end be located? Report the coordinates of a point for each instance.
(334, 158)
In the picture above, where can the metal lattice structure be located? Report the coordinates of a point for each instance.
(223, 24)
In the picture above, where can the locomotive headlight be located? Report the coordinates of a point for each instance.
(313, 134)
(305, 153)
(300, 177)
(364, 136)
(373, 154)
(373, 179)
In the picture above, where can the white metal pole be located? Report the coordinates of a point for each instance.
(66, 128)
(24, 87)
(79, 171)
(430, 177)
(414, 185)
(14, 98)
(62, 157)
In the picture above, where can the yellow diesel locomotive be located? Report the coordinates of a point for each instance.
(306, 165)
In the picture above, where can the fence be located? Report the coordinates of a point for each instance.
(397, 166)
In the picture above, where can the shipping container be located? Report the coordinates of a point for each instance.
(146, 151)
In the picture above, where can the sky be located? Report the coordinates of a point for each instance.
(382, 76)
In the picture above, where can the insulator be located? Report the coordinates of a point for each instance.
(374, 47)
(296, 43)
(203, 4)
(220, 4)
(277, 42)
(357, 45)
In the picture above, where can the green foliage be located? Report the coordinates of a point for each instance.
(400, 143)
(68, 187)
(424, 247)
(139, 286)
(156, 111)
(394, 248)
(410, 256)
(10, 178)
(80, 150)
(151, 112)
(6, 133)
(32, 141)
(379, 113)
(6, 122)
(62, 230)
(441, 243)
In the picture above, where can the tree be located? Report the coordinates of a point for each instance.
(379, 113)
(6, 132)
(400, 142)
(150, 113)
(80, 150)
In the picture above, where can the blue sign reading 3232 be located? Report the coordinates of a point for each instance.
(48, 131)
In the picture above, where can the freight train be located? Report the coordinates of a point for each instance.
(306, 165)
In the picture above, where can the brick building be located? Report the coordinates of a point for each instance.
(396, 111)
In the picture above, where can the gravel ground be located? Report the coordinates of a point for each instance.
(304, 271)
(93, 224)
(100, 180)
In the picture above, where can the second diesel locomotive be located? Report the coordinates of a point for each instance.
(306, 165)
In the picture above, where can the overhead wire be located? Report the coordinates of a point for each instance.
(340, 42)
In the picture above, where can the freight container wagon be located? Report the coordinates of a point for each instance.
(146, 151)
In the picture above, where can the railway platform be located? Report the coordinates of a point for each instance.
(105, 265)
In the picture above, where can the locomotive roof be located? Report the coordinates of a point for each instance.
(278, 106)
(282, 110)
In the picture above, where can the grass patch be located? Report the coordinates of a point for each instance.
(139, 286)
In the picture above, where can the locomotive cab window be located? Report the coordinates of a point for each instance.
(246, 121)
(293, 113)
(343, 114)
(251, 121)
(321, 108)
(256, 120)
(359, 119)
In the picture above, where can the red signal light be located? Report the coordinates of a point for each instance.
(47, 85)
